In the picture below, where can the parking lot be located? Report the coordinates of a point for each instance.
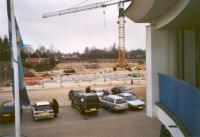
(71, 123)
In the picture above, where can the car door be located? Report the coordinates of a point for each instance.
(111, 102)
(107, 102)
(102, 101)
(75, 100)
(79, 102)
(117, 90)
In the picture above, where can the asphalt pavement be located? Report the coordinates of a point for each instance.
(70, 123)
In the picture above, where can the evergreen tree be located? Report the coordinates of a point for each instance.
(5, 49)
(1, 43)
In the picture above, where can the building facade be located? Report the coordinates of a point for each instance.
(172, 47)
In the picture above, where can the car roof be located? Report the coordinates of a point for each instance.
(9, 103)
(42, 103)
(120, 86)
(114, 96)
(125, 94)
(87, 94)
(77, 89)
(97, 89)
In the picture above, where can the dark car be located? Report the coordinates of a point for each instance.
(121, 89)
(73, 92)
(7, 111)
(86, 102)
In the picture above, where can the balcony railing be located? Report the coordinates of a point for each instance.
(183, 99)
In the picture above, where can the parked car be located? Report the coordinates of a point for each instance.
(7, 111)
(114, 102)
(133, 102)
(73, 92)
(42, 110)
(98, 91)
(86, 102)
(121, 89)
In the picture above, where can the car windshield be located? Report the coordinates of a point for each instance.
(131, 98)
(92, 99)
(79, 91)
(124, 88)
(8, 104)
(99, 91)
(120, 101)
(42, 108)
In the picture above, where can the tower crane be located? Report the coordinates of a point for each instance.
(121, 62)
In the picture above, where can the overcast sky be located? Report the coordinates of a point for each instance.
(70, 32)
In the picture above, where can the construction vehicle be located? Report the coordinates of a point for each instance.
(121, 62)
(138, 67)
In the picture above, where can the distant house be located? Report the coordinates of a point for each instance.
(34, 61)
(45, 58)
(139, 56)
(74, 56)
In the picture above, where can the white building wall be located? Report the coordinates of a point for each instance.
(166, 120)
(157, 61)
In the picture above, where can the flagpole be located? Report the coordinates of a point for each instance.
(16, 73)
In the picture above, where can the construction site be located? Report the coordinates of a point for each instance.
(99, 67)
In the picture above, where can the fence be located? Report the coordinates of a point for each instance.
(183, 99)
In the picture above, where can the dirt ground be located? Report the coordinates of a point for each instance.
(38, 93)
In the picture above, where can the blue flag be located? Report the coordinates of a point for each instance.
(24, 100)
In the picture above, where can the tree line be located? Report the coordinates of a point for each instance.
(111, 53)
(27, 51)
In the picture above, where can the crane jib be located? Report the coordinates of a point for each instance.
(84, 8)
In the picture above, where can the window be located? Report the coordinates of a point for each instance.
(42, 108)
(104, 98)
(92, 99)
(107, 99)
(78, 91)
(100, 91)
(124, 88)
(111, 100)
(120, 101)
(131, 98)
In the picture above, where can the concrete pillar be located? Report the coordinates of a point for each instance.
(181, 51)
(198, 58)
(157, 61)
(189, 56)
(174, 53)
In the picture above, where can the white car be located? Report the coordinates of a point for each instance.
(133, 102)
(42, 110)
(98, 91)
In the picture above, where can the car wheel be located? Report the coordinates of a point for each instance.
(109, 109)
(72, 104)
(81, 110)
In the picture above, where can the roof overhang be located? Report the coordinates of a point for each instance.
(165, 14)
